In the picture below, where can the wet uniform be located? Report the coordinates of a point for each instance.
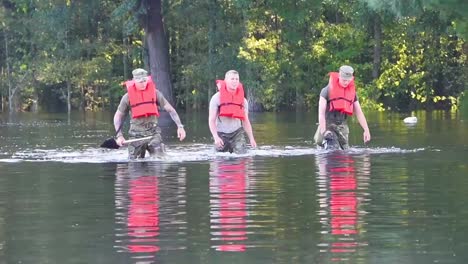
(336, 122)
(230, 129)
(143, 127)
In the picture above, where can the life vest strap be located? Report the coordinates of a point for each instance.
(342, 98)
(223, 104)
(141, 103)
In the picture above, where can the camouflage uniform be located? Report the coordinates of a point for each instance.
(229, 129)
(339, 128)
(154, 145)
(144, 127)
(233, 142)
(336, 123)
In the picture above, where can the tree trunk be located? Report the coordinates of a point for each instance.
(377, 46)
(13, 98)
(8, 73)
(125, 57)
(35, 99)
(69, 73)
(213, 17)
(68, 96)
(299, 97)
(158, 48)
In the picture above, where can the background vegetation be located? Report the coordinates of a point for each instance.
(59, 55)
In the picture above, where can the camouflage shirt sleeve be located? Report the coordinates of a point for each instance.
(124, 105)
(324, 92)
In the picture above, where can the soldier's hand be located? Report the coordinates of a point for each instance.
(366, 136)
(120, 140)
(253, 143)
(181, 133)
(218, 142)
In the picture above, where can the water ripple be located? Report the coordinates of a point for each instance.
(176, 153)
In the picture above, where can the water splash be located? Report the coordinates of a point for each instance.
(176, 153)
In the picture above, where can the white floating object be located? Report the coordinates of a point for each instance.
(410, 120)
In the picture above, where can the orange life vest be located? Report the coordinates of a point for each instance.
(231, 105)
(341, 98)
(143, 102)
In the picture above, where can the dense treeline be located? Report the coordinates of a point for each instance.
(59, 55)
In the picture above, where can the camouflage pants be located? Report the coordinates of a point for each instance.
(154, 145)
(233, 142)
(341, 132)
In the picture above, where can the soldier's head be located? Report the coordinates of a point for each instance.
(345, 75)
(140, 76)
(232, 80)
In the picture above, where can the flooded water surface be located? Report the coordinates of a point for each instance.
(400, 199)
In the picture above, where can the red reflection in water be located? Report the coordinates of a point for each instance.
(343, 203)
(339, 174)
(143, 215)
(228, 205)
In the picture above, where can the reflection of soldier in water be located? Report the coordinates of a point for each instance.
(339, 199)
(138, 191)
(228, 204)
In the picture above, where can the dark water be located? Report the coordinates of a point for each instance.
(400, 199)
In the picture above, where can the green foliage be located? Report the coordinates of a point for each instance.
(420, 66)
(463, 102)
(283, 50)
(124, 12)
